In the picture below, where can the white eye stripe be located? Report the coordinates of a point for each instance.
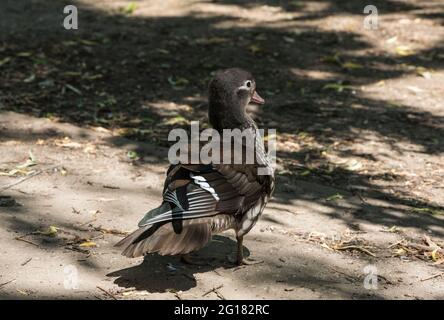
(246, 86)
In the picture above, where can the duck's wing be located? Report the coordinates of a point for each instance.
(197, 201)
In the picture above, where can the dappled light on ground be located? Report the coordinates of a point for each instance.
(360, 150)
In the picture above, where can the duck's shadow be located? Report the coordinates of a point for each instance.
(165, 273)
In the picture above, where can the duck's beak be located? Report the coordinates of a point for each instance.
(257, 98)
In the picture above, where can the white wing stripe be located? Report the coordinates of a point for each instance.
(199, 191)
(209, 201)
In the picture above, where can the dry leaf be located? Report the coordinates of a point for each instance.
(73, 89)
(255, 48)
(423, 72)
(332, 59)
(163, 51)
(335, 197)
(24, 54)
(352, 65)
(403, 51)
(337, 86)
(67, 143)
(51, 232)
(88, 244)
(29, 79)
(87, 42)
(93, 77)
(90, 148)
(212, 40)
(435, 255)
(5, 61)
(392, 39)
(414, 89)
(129, 9)
(393, 229)
(354, 165)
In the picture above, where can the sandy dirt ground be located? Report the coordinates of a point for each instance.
(358, 212)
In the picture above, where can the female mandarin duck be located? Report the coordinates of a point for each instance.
(200, 200)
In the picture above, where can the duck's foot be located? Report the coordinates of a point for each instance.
(188, 259)
(239, 257)
(243, 261)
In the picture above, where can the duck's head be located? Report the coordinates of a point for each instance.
(230, 92)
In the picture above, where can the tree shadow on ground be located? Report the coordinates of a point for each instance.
(155, 78)
(167, 274)
(142, 76)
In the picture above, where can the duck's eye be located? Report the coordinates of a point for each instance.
(248, 83)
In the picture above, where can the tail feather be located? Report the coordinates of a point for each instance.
(164, 240)
(129, 239)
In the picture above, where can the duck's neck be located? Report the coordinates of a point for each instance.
(221, 117)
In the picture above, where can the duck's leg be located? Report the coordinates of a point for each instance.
(240, 254)
(240, 250)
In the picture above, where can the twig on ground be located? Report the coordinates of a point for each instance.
(26, 262)
(239, 267)
(23, 292)
(21, 191)
(111, 231)
(282, 209)
(219, 295)
(385, 279)
(356, 248)
(110, 187)
(348, 276)
(424, 248)
(431, 243)
(107, 293)
(213, 290)
(395, 244)
(361, 198)
(73, 248)
(88, 222)
(7, 282)
(217, 272)
(36, 173)
(434, 276)
(27, 241)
